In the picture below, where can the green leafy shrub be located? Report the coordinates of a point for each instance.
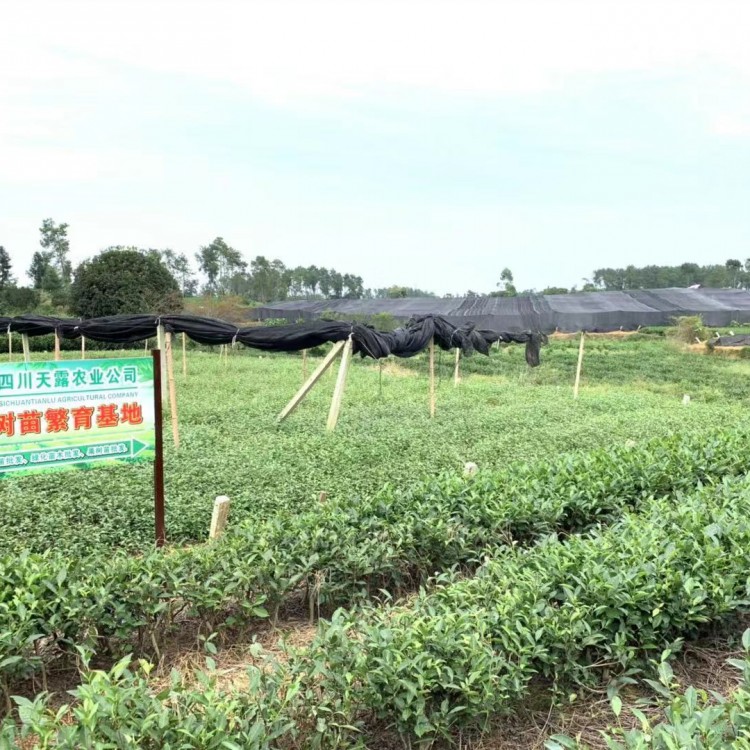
(341, 553)
(688, 328)
(453, 656)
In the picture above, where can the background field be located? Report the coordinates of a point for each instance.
(502, 413)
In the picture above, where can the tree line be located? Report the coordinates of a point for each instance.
(129, 279)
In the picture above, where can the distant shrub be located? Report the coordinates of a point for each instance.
(688, 328)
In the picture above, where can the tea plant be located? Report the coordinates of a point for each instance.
(232, 445)
(693, 719)
(341, 553)
(453, 656)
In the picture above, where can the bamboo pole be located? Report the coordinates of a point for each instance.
(57, 345)
(456, 368)
(25, 346)
(145, 345)
(578, 367)
(432, 377)
(307, 387)
(83, 347)
(172, 391)
(304, 365)
(10, 345)
(184, 355)
(338, 391)
(162, 347)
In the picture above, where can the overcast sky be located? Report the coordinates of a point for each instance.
(420, 143)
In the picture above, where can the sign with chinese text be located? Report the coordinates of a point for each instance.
(75, 414)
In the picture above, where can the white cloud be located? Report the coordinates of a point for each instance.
(285, 50)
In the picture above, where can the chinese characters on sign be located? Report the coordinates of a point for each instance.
(68, 414)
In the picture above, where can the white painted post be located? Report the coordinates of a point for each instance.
(219, 517)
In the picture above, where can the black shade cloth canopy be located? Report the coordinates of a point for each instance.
(407, 341)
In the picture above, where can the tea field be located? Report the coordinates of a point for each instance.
(598, 535)
(501, 414)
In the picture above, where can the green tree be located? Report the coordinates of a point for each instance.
(124, 280)
(54, 241)
(221, 264)
(6, 278)
(507, 288)
(734, 269)
(270, 279)
(40, 262)
(17, 300)
(179, 267)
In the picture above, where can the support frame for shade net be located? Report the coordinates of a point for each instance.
(426, 332)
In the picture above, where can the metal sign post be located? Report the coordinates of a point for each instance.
(158, 452)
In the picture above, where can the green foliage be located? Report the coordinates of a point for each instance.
(18, 300)
(123, 280)
(469, 649)
(731, 274)
(694, 718)
(341, 553)
(458, 653)
(6, 278)
(688, 329)
(232, 445)
(54, 241)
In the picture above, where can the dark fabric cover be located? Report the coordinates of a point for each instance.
(583, 311)
(737, 340)
(406, 341)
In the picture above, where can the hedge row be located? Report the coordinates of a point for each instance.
(341, 553)
(469, 650)
(452, 657)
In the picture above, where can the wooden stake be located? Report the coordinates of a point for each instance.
(162, 347)
(172, 391)
(10, 345)
(338, 391)
(57, 345)
(184, 355)
(83, 347)
(578, 368)
(25, 345)
(432, 378)
(304, 365)
(307, 387)
(219, 517)
(145, 345)
(455, 369)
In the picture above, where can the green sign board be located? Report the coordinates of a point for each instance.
(75, 414)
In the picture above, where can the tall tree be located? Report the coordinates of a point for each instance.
(40, 262)
(507, 288)
(179, 267)
(54, 240)
(6, 279)
(221, 264)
